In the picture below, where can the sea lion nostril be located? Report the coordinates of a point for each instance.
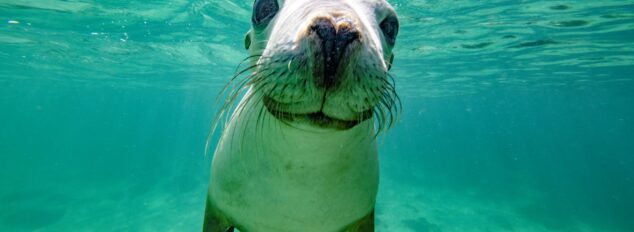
(324, 29)
(345, 36)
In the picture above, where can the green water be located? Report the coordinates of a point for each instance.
(517, 115)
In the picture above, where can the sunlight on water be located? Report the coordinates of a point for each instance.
(517, 114)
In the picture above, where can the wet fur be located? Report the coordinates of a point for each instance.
(281, 73)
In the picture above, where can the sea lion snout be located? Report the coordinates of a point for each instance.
(334, 35)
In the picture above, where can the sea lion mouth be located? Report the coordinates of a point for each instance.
(318, 119)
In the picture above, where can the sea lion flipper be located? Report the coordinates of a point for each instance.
(215, 221)
(364, 224)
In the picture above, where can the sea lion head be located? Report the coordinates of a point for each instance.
(324, 62)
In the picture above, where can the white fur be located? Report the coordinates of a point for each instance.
(271, 176)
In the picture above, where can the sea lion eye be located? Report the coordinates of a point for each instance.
(389, 26)
(263, 11)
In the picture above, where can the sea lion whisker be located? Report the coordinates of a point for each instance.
(398, 105)
(245, 60)
(389, 92)
(232, 96)
(380, 115)
(245, 82)
(391, 78)
(247, 102)
(232, 79)
(243, 85)
(386, 104)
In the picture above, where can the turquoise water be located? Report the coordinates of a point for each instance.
(517, 115)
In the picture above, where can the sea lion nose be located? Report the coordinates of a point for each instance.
(334, 37)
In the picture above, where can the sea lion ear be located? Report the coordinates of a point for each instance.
(389, 63)
(247, 40)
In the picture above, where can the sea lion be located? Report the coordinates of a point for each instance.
(299, 151)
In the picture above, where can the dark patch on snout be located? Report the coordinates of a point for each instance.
(334, 38)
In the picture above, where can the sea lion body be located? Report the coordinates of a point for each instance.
(276, 177)
(299, 151)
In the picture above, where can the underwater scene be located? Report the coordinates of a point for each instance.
(516, 115)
